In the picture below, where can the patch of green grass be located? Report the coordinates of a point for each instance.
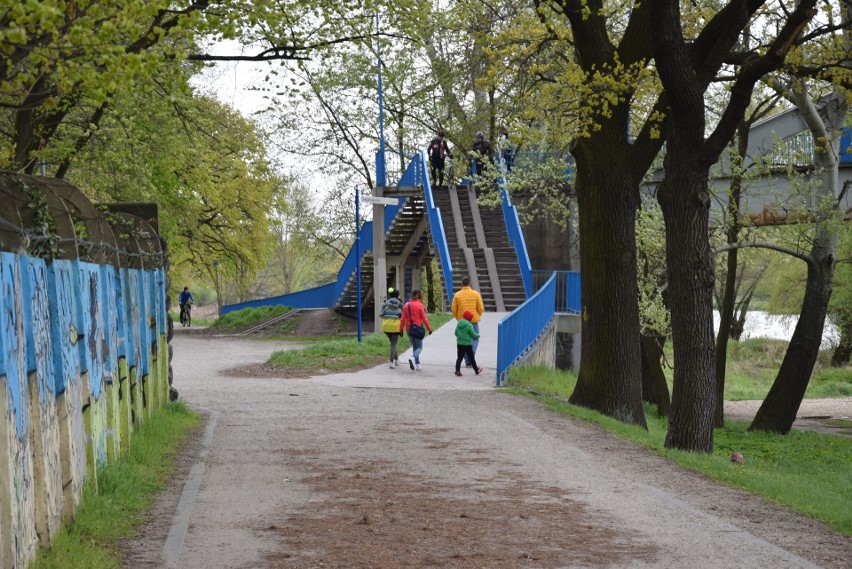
(753, 364)
(806, 471)
(248, 316)
(124, 490)
(341, 355)
(830, 382)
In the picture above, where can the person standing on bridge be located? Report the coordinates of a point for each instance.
(469, 299)
(414, 321)
(391, 313)
(438, 151)
(482, 153)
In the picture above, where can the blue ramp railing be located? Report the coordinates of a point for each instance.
(518, 331)
(327, 295)
(516, 234)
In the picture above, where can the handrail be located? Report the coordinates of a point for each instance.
(567, 289)
(516, 235)
(520, 329)
(436, 226)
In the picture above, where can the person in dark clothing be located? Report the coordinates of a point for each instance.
(438, 152)
(482, 152)
(507, 152)
(185, 298)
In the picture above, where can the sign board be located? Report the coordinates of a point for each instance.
(386, 201)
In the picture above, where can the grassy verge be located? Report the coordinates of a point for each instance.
(125, 489)
(806, 471)
(753, 364)
(248, 316)
(346, 355)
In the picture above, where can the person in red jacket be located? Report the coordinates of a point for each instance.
(414, 321)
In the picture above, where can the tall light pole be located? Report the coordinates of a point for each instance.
(358, 260)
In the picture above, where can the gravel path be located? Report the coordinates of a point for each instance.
(391, 468)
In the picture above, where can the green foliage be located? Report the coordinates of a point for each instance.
(806, 471)
(754, 363)
(248, 316)
(110, 510)
(205, 166)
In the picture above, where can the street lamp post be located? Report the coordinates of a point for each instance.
(358, 261)
(216, 284)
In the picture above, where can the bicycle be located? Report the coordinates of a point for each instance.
(186, 315)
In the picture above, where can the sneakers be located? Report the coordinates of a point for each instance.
(391, 365)
(411, 364)
(419, 367)
(459, 374)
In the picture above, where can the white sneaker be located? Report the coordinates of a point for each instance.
(392, 366)
(419, 367)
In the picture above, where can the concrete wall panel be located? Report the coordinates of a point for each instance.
(17, 491)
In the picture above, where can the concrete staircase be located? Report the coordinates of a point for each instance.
(480, 248)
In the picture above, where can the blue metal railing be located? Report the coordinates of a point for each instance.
(327, 296)
(513, 227)
(436, 226)
(567, 289)
(518, 331)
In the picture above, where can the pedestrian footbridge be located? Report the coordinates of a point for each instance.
(449, 225)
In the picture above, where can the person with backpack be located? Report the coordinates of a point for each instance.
(415, 322)
(391, 313)
(438, 151)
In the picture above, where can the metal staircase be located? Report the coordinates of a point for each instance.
(480, 248)
(446, 224)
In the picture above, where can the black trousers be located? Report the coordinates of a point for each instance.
(466, 353)
(437, 167)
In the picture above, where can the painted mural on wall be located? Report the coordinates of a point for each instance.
(83, 349)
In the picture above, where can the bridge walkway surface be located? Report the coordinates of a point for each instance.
(419, 470)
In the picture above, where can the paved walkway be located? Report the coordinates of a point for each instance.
(438, 358)
(392, 468)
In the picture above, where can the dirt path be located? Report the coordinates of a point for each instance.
(341, 472)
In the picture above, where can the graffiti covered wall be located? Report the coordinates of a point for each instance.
(83, 350)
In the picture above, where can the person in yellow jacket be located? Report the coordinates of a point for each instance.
(468, 299)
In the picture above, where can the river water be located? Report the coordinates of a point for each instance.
(760, 324)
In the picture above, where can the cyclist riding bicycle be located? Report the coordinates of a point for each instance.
(185, 298)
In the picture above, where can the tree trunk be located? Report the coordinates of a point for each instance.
(729, 295)
(655, 390)
(726, 317)
(610, 378)
(685, 201)
(843, 351)
(778, 411)
(431, 306)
